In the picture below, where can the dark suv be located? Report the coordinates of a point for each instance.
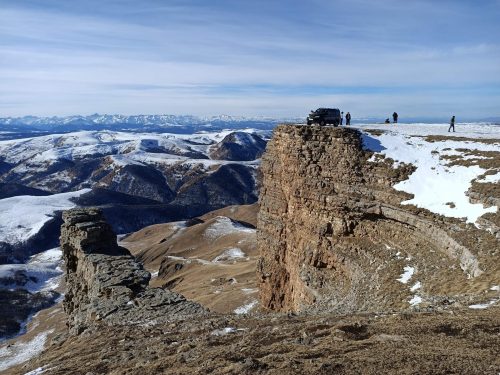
(324, 116)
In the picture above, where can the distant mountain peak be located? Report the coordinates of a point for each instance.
(159, 122)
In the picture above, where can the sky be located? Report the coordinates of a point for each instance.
(421, 58)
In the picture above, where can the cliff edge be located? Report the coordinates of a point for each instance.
(333, 234)
(104, 281)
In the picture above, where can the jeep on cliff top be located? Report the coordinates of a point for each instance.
(324, 116)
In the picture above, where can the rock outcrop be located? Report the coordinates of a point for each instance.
(332, 232)
(105, 283)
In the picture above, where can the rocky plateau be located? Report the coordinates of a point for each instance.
(352, 278)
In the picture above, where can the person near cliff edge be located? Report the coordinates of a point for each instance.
(348, 119)
(341, 117)
(395, 117)
(452, 124)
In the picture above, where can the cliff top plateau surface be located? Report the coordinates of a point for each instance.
(353, 278)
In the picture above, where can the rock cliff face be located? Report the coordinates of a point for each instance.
(333, 234)
(105, 283)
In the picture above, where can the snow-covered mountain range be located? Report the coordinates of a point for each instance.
(139, 179)
(159, 123)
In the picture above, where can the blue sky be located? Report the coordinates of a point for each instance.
(421, 58)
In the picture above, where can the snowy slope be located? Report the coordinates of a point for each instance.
(23, 216)
(121, 168)
(38, 153)
(42, 272)
(12, 355)
(435, 184)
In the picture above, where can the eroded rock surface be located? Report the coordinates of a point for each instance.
(333, 233)
(106, 283)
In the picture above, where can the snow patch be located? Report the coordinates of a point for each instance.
(415, 300)
(223, 226)
(483, 305)
(223, 331)
(37, 371)
(416, 286)
(245, 309)
(406, 275)
(11, 355)
(492, 178)
(229, 254)
(244, 139)
(178, 258)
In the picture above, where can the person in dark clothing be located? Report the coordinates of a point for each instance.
(387, 121)
(341, 117)
(348, 118)
(452, 124)
(395, 117)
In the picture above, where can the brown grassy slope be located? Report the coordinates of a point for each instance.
(184, 259)
(462, 342)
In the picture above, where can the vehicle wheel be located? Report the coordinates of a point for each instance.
(322, 123)
(335, 124)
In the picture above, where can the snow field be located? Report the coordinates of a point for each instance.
(434, 183)
(23, 216)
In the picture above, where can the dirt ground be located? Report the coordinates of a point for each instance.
(450, 342)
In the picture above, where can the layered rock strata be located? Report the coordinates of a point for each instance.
(332, 231)
(104, 281)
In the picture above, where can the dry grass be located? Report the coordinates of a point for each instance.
(484, 159)
(465, 342)
(442, 138)
(220, 286)
(375, 132)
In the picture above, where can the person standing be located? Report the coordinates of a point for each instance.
(341, 117)
(348, 119)
(395, 117)
(452, 124)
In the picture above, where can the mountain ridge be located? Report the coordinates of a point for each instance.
(172, 123)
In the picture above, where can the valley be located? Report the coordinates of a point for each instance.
(137, 179)
(147, 178)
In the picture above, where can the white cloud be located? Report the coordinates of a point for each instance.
(179, 58)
